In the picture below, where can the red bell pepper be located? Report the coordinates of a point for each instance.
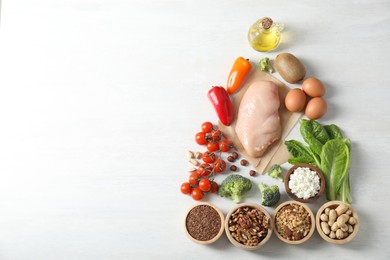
(221, 102)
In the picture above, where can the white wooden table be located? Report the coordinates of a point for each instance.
(100, 100)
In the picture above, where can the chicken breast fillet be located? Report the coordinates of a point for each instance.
(258, 121)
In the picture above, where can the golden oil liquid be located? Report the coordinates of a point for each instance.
(263, 40)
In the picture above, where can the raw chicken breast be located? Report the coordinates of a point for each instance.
(258, 121)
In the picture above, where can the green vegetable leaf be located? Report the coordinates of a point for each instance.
(297, 160)
(348, 143)
(333, 131)
(344, 194)
(298, 150)
(314, 135)
(335, 161)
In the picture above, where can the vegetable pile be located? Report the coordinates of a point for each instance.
(219, 96)
(201, 180)
(211, 163)
(258, 125)
(325, 147)
(328, 150)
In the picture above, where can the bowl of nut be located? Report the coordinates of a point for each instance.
(204, 223)
(294, 222)
(248, 226)
(304, 182)
(337, 222)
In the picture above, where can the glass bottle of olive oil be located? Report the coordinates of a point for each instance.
(264, 35)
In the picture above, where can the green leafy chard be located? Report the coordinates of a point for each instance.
(314, 135)
(335, 165)
(301, 153)
(344, 194)
(333, 131)
(298, 160)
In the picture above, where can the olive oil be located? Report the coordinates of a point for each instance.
(264, 35)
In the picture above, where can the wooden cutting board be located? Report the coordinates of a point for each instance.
(277, 152)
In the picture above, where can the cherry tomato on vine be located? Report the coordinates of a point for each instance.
(212, 147)
(216, 135)
(214, 187)
(186, 188)
(204, 169)
(219, 165)
(197, 194)
(193, 179)
(204, 184)
(209, 157)
(207, 127)
(225, 145)
(200, 138)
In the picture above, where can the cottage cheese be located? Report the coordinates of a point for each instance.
(304, 183)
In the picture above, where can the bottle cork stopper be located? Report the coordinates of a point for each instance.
(266, 22)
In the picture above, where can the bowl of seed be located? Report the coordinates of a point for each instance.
(294, 222)
(304, 183)
(337, 222)
(248, 226)
(204, 223)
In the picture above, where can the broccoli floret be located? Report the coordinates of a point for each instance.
(270, 195)
(276, 172)
(265, 65)
(234, 187)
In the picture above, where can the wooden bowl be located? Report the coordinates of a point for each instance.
(333, 205)
(312, 223)
(221, 228)
(241, 245)
(311, 167)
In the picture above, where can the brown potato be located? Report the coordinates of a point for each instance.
(289, 67)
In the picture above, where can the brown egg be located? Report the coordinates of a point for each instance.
(316, 108)
(295, 100)
(313, 87)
